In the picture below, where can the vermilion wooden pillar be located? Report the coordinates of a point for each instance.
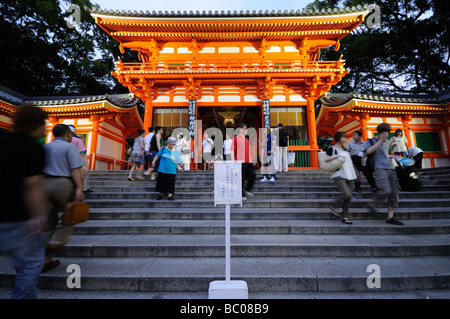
(312, 134)
(148, 115)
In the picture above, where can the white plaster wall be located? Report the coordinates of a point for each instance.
(417, 120)
(113, 129)
(180, 98)
(162, 99)
(208, 50)
(251, 98)
(108, 147)
(274, 49)
(392, 120)
(375, 120)
(207, 98)
(444, 141)
(184, 50)
(167, 50)
(229, 49)
(349, 126)
(278, 98)
(88, 142)
(290, 49)
(434, 121)
(426, 163)
(441, 161)
(296, 98)
(69, 122)
(249, 50)
(411, 138)
(9, 120)
(101, 166)
(229, 98)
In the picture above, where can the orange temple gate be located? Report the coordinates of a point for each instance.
(229, 64)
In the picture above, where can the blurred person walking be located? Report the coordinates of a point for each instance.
(138, 156)
(147, 140)
(344, 177)
(155, 146)
(356, 149)
(282, 148)
(240, 151)
(78, 142)
(384, 174)
(64, 185)
(268, 169)
(23, 199)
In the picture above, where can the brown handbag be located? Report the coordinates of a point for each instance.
(75, 213)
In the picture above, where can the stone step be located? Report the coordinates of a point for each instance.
(267, 195)
(304, 227)
(262, 274)
(255, 203)
(183, 178)
(266, 245)
(243, 213)
(429, 171)
(258, 187)
(179, 298)
(210, 183)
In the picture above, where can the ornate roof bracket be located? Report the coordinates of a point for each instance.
(193, 89)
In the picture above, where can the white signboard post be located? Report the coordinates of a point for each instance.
(227, 191)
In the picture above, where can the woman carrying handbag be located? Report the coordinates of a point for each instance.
(344, 177)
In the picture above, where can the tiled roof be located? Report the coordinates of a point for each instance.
(15, 98)
(247, 13)
(333, 99)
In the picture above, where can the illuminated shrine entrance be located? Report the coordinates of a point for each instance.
(247, 63)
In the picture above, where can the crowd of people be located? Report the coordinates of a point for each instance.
(37, 181)
(31, 197)
(146, 153)
(382, 177)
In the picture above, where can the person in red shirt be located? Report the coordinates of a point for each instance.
(240, 151)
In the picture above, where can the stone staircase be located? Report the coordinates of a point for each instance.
(284, 241)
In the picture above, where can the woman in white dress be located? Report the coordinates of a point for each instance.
(399, 143)
(207, 148)
(184, 149)
(344, 177)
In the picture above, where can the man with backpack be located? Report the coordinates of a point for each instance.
(282, 149)
(384, 173)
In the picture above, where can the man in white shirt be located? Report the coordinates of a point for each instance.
(227, 148)
(417, 155)
(147, 140)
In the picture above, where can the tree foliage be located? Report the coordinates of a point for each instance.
(408, 53)
(42, 55)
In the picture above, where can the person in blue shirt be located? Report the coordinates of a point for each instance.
(167, 169)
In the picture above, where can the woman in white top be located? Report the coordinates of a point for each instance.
(344, 177)
(227, 148)
(207, 148)
(184, 149)
(399, 143)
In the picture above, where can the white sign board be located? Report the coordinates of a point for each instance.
(227, 182)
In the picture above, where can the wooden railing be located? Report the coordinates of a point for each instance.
(228, 64)
(112, 162)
